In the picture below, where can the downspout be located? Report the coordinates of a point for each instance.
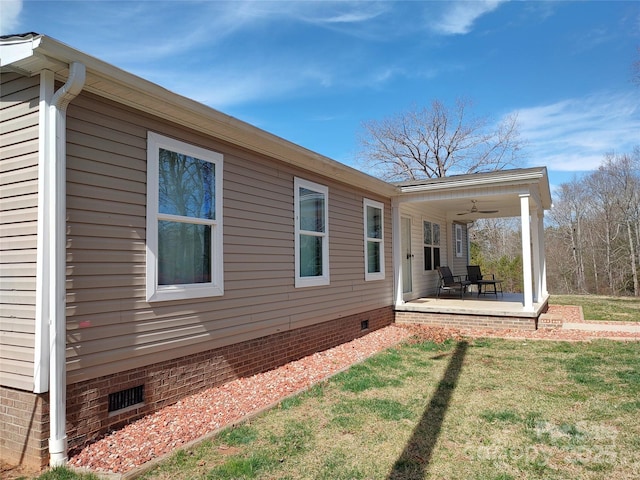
(57, 210)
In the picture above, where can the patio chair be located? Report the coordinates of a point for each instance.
(451, 283)
(475, 277)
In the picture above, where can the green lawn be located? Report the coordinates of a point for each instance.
(487, 409)
(483, 409)
(598, 307)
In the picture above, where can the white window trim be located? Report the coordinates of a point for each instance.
(155, 292)
(458, 239)
(432, 245)
(377, 275)
(323, 279)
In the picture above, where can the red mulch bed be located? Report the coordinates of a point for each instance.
(204, 413)
(201, 415)
(569, 313)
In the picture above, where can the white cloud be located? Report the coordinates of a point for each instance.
(200, 39)
(575, 134)
(206, 25)
(231, 86)
(339, 12)
(9, 16)
(225, 46)
(459, 16)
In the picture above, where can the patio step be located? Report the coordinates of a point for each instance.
(549, 320)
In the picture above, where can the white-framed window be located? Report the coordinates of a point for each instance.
(373, 240)
(431, 245)
(184, 220)
(311, 210)
(458, 237)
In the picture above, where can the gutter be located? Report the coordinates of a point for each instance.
(56, 165)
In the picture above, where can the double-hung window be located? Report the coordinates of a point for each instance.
(312, 233)
(431, 241)
(373, 240)
(184, 220)
(459, 239)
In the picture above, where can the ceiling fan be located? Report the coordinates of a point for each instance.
(474, 209)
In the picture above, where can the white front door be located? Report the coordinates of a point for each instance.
(407, 256)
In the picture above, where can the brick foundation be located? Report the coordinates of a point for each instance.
(466, 321)
(550, 321)
(24, 423)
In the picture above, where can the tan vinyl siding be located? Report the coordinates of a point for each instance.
(112, 328)
(18, 227)
(459, 265)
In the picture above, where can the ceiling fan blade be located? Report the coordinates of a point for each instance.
(474, 209)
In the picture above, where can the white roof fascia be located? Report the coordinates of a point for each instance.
(474, 180)
(31, 55)
(530, 176)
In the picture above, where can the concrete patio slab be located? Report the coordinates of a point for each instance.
(601, 327)
(508, 304)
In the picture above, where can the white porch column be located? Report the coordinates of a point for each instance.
(535, 238)
(543, 258)
(527, 275)
(397, 252)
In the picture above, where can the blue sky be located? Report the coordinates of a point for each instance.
(312, 72)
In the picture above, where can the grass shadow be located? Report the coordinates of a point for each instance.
(414, 461)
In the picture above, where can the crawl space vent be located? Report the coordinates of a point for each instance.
(126, 398)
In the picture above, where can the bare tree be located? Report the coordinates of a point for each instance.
(602, 198)
(560, 271)
(575, 198)
(597, 225)
(625, 172)
(437, 141)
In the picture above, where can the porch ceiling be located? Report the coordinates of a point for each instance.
(496, 194)
(488, 206)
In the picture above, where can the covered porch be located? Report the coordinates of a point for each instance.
(456, 202)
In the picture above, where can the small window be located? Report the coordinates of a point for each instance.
(184, 220)
(458, 238)
(431, 240)
(312, 233)
(373, 240)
